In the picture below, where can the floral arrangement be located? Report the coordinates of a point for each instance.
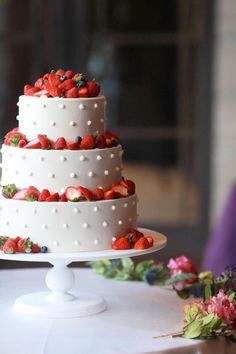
(213, 316)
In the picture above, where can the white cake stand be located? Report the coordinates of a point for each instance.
(59, 302)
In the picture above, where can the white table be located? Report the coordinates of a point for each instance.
(136, 312)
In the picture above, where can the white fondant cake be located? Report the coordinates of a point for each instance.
(64, 226)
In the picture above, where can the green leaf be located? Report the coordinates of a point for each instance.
(15, 140)
(180, 277)
(9, 190)
(207, 292)
(128, 265)
(193, 329)
(231, 297)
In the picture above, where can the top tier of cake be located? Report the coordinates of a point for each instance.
(67, 117)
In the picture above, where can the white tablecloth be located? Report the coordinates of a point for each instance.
(136, 312)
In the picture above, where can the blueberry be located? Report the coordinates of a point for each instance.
(150, 276)
(79, 139)
(44, 249)
(63, 78)
(81, 83)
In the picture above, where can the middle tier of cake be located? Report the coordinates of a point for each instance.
(58, 169)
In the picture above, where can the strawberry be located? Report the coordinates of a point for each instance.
(33, 144)
(130, 185)
(88, 195)
(44, 195)
(67, 84)
(150, 240)
(22, 143)
(110, 194)
(9, 246)
(98, 193)
(73, 146)
(63, 198)
(31, 91)
(60, 144)
(60, 72)
(3, 240)
(73, 194)
(20, 195)
(53, 198)
(40, 93)
(26, 88)
(24, 245)
(35, 248)
(134, 235)
(55, 92)
(101, 142)
(72, 93)
(112, 135)
(53, 80)
(87, 142)
(83, 92)
(44, 141)
(141, 244)
(123, 191)
(111, 142)
(93, 88)
(16, 239)
(9, 190)
(45, 76)
(121, 243)
(69, 74)
(39, 83)
(32, 194)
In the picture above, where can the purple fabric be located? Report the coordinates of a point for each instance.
(221, 247)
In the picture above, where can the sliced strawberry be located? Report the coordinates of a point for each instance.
(63, 198)
(83, 92)
(44, 141)
(98, 193)
(73, 146)
(32, 193)
(54, 80)
(60, 144)
(121, 243)
(72, 93)
(93, 88)
(22, 143)
(39, 83)
(55, 92)
(16, 239)
(40, 93)
(9, 246)
(88, 195)
(44, 195)
(24, 245)
(101, 142)
(123, 191)
(73, 194)
(141, 244)
(32, 91)
(130, 185)
(67, 84)
(20, 195)
(69, 74)
(87, 142)
(35, 248)
(53, 198)
(33, 144)
(150, 240)
(134, 235)
(26, 88)
(110, 194)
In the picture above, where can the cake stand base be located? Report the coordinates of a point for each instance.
(38, 305)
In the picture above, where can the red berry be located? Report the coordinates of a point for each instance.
(32, 193)
(40, 93)
(93, 89)
(9, 246)
(98, 193)
(44, 195)
(150, 240)
(134, 235)
(35, 248)
(123, 191)
(21, 143)
(26, 88)
(60, 72)
(121, 243)
(67, 84)
(83, 92)
(72, 93)
(88, 195)
(39, 83)
(20, 195)
(130, 185)
(69, 74)
(32, 91)
(141, 244)
(44, 141)
(101, 142)
(87, 142)
(53, 198)
(60, 144)
(63, 198)
(73, 194)
(110, 194)
(55, 92)
(73, 146)
(33, 144)
(54, 80)
(16, 239)
(24, 245)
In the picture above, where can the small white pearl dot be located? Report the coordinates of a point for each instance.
(102, 120)
(34, 123)
(7, 223)
(95, 209)
(113, 207)
(125, 205)
(133, 202)
(82, 158)
(44, 105)
(76, 243)
(73, 175)
(75, 210)
(41, 158)
(104, 224)
(113, 239)
(95, 105)
(99, 157)
(53, 123)
(17, 210)
(17, 117)
(65, 226)
(117, 169)
(55, 243)
(62, 158)
(23, 157)
(34, 211)
(89, 122)
(51, 175)
(106, 172)
(81, 106)
(54, 210)
(25, 226)
(28, 104)
(85, 225)
(62, 106)
(16, 172)
(95, 242)
(72, 124)
(31, 174)
(105, 103)
(90, 174)
(112, 156)
(120, 222)
(44, 226)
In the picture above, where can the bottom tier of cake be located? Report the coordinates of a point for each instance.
(68, 226)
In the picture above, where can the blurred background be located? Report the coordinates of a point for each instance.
(167, 69)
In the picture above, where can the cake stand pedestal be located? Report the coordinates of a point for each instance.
(59, 302)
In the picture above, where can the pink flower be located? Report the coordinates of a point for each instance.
(221, 306)
(181, 265)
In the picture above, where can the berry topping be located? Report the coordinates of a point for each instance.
(60, 144)
(9, 190)
(32, 194)
(87, 142)
(53, 198)
(88, 195)
(20, 195)
(141, 244)
(35, 248)
(33, 144)
(44, 195)
(44, 142)
(93, 88)
(9, 246)
(98, 193)
(73, 194)
(121, 243)
(44, 249)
